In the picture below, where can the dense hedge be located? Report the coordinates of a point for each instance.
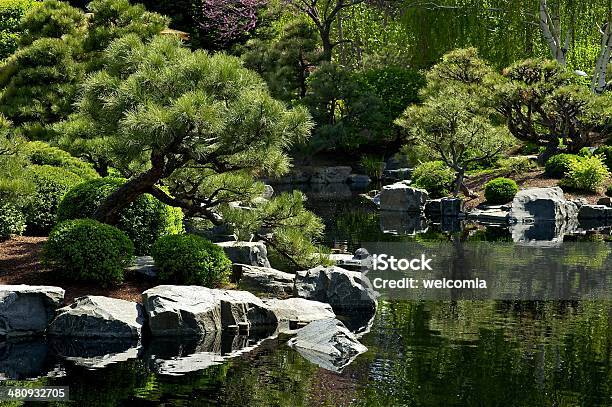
(190, 259)
(88, 251)
(41, 153)
(435, 177)
(500, 190)
(12, 221)
(144, 221)
(51, 184)
(558, 165)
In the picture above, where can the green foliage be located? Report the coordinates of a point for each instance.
(559, 165)
(516, 165)
(11, 12)
(41, 153)
(609, 191)
(346, 111)
(456, 122)
(435, 177)
(39, 83)
(373, 166)
(144, 221)
(285, 62)
(562, 107)
(588, 174)
(15, 186)
(190, 259)
(396, 87)
(500, 190)
(606, 153)
(84, 250)
(12, 221)
(51, 184)
(52, 19)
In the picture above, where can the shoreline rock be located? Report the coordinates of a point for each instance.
(27, 310)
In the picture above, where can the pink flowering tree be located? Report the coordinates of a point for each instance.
(225, 21)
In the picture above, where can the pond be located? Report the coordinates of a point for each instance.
(421, 353)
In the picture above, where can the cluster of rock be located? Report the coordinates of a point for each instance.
(171, 311)
(405, 210)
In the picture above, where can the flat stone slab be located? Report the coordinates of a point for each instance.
(328, 344)
(26, 309)
(265, 280)
(95, 316)
(144, 266)
(175, 310)
(298, 310)
(491, 216)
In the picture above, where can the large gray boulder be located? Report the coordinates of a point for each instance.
(264, 280)
(330, 175)
(344, 290)
(401, 197)
(95, 316)
(175, 310)
(299, 311)
(542, 204)
(253, 253)
(327, 343)
(26, 309)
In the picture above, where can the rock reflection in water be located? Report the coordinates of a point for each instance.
(26, 359)
(96, 353)
(171, 356)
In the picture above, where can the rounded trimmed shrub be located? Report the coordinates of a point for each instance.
(12, 221)
(500, 190)
(435, 177)
(51, 184)
(88, 251)
(558, 165)
(589, 174)
(41, 153)
(190, 259)
(144, 220)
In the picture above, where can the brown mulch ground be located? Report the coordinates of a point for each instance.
(532, 179)
(20, 263)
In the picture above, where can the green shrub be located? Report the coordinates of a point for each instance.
(500, 190)
(51, 184)
(373, 166)
(516, 165)
(190, 259)
(606, 153)
(558, 165)
(12, 221)
(41, 153)
(11, 12)
(144, 221)
(435, 177)
(88, 251)
(589, 174)
(585, 152)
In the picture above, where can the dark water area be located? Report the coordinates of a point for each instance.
(420, 353)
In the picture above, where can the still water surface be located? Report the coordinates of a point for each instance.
(421, 353)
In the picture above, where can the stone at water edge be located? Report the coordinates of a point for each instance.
(299, 310)
(175, 310)
(344, 290)
(599, 212)
(542, 204)
(95, 316)
(401, 197)
(328, 344)
(27, 309)
(253, 253)
(265, 280)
